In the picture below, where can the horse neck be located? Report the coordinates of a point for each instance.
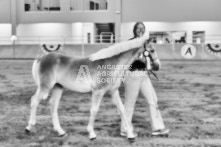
(126, 58)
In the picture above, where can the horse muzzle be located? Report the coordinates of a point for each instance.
(155, 65)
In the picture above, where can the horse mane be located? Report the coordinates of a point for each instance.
(118, 48)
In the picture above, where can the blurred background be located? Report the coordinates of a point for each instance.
(85, 26)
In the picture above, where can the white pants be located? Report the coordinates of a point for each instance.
(134, 85)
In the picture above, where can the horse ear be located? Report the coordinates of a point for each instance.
(150, 40)
(149, 44)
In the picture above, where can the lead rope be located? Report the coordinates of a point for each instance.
(154, 74)
(149, 71)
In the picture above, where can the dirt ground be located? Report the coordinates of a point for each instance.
(189, 94)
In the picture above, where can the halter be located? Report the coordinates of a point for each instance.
(146, 54)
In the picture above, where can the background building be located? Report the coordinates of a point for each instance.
(108, 21)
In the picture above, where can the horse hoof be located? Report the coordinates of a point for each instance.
(131, 140)
(93, 138)
(62, 135)
(161, 135)
(27, 131)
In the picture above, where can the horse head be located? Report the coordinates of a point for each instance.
(151, 54)
(148, 54)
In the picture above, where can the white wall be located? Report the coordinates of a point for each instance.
(76, 4)
(5, 30)
(52, 32)
(80, 30)
(5, 34)
(212, 29)
(5, 11)
(88, 28)
(44, 29)
(55, 32)
(171, 10)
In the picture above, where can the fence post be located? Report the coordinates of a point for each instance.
(83, 54)
(13, 39)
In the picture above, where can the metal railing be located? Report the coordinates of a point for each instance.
(106, 36)
(28, 47)
(96, 39)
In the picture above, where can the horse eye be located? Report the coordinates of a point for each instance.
(152, 51)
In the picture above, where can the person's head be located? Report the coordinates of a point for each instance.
(139, 29)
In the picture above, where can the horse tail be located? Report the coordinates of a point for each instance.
(35, 70)
(36, 76)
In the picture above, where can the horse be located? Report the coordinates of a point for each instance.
(55, 71)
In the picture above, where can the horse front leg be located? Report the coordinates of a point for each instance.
(54, 102)
(117, 101)
(95, 104)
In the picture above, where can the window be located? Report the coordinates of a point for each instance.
(179, 36)
(198, 36)
(42, 5)
(89, 5)
(169, 37)
(160, 37)
(76, 5)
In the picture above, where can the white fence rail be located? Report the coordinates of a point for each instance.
(103, 38)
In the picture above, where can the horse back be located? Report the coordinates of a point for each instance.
(48, 62)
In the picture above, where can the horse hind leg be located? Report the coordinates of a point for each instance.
(35, 100)
(54, 102)
(95, 104)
